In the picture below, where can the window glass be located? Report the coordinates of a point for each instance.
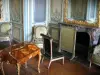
(40, 11)
(0, 9)
(92, 8)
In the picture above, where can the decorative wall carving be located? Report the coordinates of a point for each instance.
(56, 16)
(56, 11)
(16, 10)
(4, 11)
(0, 9)
(17, 33)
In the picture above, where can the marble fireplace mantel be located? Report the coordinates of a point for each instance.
(93, 32)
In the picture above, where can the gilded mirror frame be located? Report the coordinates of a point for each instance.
(79, 22)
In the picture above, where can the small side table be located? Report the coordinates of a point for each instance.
(23, 53)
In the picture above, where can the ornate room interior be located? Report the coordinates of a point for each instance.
(62, 30)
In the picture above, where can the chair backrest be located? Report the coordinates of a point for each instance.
(37, 30)
(6, 32)
(5, 27)
(47, 44)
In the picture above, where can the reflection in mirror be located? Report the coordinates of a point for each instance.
(83, 12)
(92, 11)
(77, 9)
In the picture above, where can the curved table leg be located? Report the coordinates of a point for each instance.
(26, 65)
(18, 68)
(39, 53)
(2, 68)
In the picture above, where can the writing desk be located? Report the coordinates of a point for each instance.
(23, 53)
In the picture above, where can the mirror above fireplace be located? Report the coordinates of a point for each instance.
(82, 12)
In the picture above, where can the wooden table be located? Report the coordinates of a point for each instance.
(23, 53)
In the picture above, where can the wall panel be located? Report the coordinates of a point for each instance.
(16, 14)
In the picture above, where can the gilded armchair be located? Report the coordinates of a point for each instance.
(37, 38)
(6, 32)
(95, 58)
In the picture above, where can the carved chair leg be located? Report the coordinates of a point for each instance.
(63, 60)
(2, 68)
(90, 65)
(42, 59)
(49, 64)
(18, 68)
(26, 65)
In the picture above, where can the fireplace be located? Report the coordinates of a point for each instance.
(75, 40)
(82, 45)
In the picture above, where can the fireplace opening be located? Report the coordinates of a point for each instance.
(82, 45)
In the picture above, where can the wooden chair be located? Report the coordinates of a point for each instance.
(95, 54)
(6, 32)
(49, 51)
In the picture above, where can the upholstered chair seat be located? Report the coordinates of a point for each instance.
(96, 58)
(96, 55)
(4, 37)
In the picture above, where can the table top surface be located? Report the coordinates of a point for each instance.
(24, 52)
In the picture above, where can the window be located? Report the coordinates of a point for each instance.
(0, 9)
(40, 11)
(92, 8)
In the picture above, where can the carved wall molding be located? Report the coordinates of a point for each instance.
(16, 10)
(56, 11)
